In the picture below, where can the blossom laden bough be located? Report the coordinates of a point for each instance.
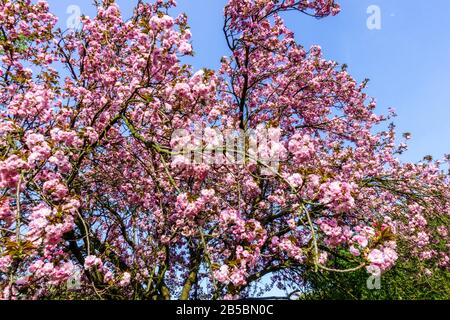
(92, 179)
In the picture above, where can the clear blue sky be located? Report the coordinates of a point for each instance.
(407, 60)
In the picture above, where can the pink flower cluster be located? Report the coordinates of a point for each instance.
(335, 233)
(5, 263)
(40, 150)
(55, 188)
(68, 138)
(361, 239)
(295, 180)
(225, 274)
(249, 230)
(383, 258)
(302, 147)
(93, 261)
(190, 209)
(42, 230)
(56, 274)
(285, 245)
(61, 161)
(10, 171)
(6, 214)
(337, 196)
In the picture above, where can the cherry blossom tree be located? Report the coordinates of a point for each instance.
(92, 182)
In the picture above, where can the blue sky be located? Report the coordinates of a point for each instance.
(407, 60)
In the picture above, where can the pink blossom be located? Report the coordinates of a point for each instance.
(92, 261)
(9, 171)
(47, 269)
(55, 188)
(302, 147)
(237, 278)
(6, 213)
(126, 277)
(422, 239)
(33, 139)
(323, 258)
(185, 48)
(295, 179)
(361, 240)
(337, 196)
(222, 274)
(376, 256)
(355, 252)
(5, 263)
